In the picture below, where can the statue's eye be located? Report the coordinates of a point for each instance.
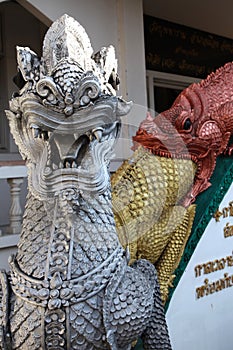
(187, 124)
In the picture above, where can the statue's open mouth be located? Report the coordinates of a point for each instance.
(70, 159)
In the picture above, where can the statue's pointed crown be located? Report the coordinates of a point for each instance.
(67, 39)
(68, 76)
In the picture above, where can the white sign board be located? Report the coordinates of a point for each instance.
(200, 314)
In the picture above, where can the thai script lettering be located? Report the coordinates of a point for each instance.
(228, 230)
(213, 287)
(209, 267)
(225, 212)
(213, 266)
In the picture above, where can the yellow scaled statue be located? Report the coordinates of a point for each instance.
(175, 156)
(146, 191)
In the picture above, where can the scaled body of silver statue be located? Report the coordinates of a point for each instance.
(70, 286)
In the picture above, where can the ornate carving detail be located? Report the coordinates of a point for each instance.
(71, 283)
(4, 311)
(66, 95)
(56, 291)
(55, 329)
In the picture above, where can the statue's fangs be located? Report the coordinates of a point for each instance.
(70, 286)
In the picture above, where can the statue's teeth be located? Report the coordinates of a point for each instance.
(61, 166)
(74, 165)
(36, 132)
(44, 135)
(98, 134)
(67, 164)
(54, 166)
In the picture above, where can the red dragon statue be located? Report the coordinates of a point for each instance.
(198, 126)
(175, 156)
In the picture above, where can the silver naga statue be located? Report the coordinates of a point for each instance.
(70, 285)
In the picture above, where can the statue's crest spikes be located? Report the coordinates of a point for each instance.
(67, 39)
(28, 63)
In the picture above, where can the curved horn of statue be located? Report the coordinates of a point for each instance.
(70, 285)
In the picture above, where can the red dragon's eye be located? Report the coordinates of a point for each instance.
(187, 124)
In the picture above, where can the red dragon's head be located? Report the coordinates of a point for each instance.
(198, 127)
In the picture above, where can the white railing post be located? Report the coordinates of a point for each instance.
(14, 172)
(15, 208)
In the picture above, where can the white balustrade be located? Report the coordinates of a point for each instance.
(14, 172)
